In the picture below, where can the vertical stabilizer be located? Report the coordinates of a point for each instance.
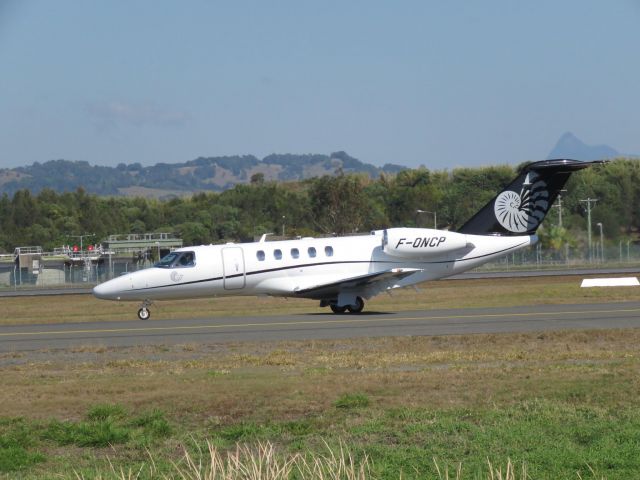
(520, 208)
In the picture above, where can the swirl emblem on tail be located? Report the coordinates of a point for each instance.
(522, 212)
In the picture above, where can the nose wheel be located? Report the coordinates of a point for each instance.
(144, 313)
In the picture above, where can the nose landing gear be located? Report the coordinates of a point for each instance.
(144, 313)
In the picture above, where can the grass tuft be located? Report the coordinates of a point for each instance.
(14, 456)
(351, 401)
(153, 423)
(15, 440)
(105, 411)
(108, 425)
(263, 462)
(86, 434)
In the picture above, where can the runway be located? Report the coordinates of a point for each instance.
(321, 326)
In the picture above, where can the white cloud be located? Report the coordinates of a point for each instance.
(115, 113)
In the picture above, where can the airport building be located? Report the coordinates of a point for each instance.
(117, 254)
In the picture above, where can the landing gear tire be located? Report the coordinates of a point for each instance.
(337, 309)
(144, 313)
(357, 308)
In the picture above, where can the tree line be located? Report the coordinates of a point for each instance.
(328, 205)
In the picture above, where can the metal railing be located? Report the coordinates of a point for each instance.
(52, 274)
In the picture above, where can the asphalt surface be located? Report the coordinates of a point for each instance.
(45, 291)
(321, 326)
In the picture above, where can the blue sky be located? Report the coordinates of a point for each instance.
(442, 84)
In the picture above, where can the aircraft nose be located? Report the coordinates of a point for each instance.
(106, 291)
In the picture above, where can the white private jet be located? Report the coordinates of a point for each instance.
(341, 272)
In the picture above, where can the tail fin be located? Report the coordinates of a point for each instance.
(520, 208)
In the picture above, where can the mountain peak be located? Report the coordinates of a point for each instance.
(570, 146)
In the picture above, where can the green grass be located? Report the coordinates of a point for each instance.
(106, 411)
(554, 439)
(101, 433)
(17, 445)
(352, 400)
(559, 403)
(23, 442)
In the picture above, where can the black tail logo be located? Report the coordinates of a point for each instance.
(519, 213)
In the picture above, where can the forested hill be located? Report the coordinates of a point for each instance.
(165, 180)
(337, 204)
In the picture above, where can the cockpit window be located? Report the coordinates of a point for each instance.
(177, 260)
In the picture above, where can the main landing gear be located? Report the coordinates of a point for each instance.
(355, 308)
(144, 313)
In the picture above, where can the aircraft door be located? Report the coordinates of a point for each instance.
(233, 268)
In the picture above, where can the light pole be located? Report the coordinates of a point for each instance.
(599, 224)
(435, 217)
(283, 218)
(620, 247)
(588, 202)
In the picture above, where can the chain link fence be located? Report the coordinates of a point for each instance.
(625, 254)
(59, 274)
(86, 273)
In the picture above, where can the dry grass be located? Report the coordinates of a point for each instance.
(262, 461)
(216, 387)
(216, 384)
(431, 295)
(210, 387)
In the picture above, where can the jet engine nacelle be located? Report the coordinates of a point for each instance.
(421, 242)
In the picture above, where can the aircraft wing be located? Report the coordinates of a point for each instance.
(334, 288)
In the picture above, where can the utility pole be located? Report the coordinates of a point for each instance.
(559, 207)
(588, 202)
(435, 217)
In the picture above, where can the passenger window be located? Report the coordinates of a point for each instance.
(328, 251)
(260, 255)
(277, 254)
(312, 252)
(295, 253)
